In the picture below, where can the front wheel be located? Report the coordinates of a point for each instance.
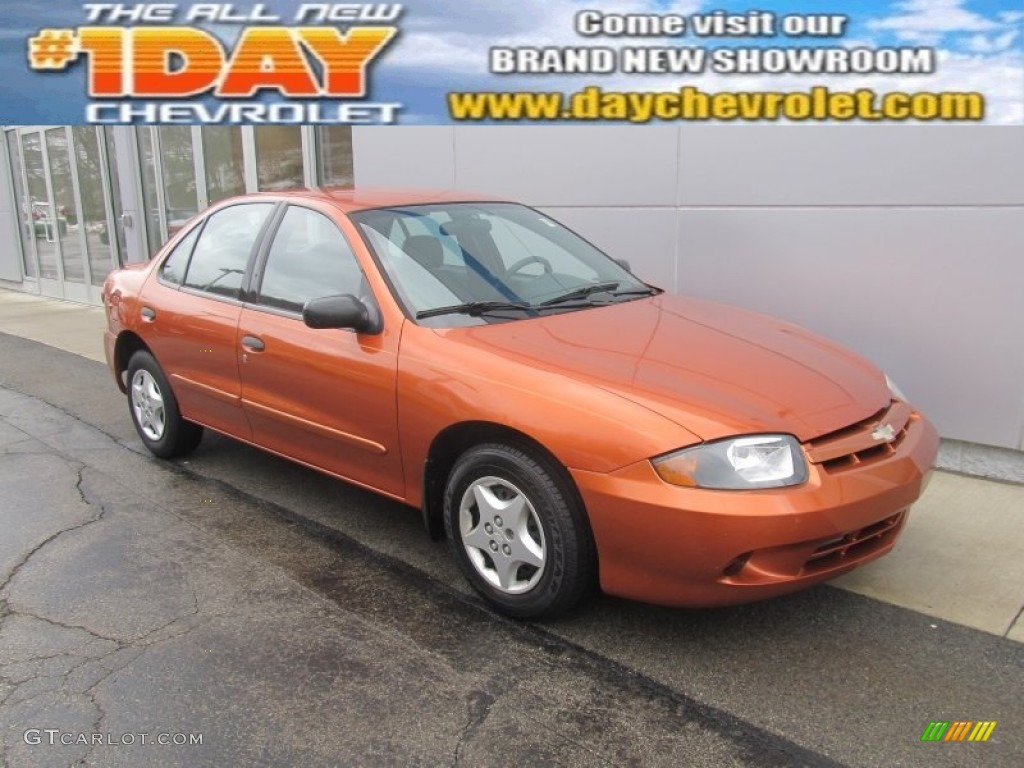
(518, 533)
(155, 412)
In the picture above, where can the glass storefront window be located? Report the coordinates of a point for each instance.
(224, 160)
(179, 174)
(22, 205)
(93, 219)
(278, 157)
(335, 145)
(115, 189)
(63, 215)
(39, 205)
(147, 159)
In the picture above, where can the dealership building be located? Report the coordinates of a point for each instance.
(904, 243)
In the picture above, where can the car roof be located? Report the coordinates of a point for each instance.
(362, 199)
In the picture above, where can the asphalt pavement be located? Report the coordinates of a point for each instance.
(288, 619)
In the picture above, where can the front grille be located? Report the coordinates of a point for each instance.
(861, 443)
(854, 544)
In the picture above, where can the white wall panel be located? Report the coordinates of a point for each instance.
(404, 156)
(570, 166)
(851, 165)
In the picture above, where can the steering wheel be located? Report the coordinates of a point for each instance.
(530, 260)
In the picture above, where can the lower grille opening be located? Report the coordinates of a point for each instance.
(854, 544)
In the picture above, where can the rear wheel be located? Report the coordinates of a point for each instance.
(155, 412)
(518, 533)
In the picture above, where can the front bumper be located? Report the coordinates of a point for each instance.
(676, 546)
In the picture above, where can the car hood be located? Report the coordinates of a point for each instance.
(713, 369)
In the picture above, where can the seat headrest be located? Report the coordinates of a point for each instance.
(426, 250)
(466, 225)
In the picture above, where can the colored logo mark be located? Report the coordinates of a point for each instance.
(958, 730)
(53, 49)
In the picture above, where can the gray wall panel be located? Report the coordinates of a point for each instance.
(563, 166)
(851, 165)
(931, 295)
(404, 156)
(646, 238)
(10, 259)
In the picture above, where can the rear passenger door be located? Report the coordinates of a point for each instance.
(324, 397)
(190, 315)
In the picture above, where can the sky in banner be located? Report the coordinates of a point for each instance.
(444, 43)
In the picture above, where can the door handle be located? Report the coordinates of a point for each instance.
(148, 314)
(253, 344)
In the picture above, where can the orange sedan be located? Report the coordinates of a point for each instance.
(564, 423)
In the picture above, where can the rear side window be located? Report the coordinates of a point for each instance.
(222, 253)
(309, 259)
(174, 266)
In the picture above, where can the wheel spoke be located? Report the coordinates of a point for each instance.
(487, 502)
(527, 552)
(506, 570)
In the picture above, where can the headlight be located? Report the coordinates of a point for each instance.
(897, 393)
(741, 463)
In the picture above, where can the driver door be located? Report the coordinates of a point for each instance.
(323, 397)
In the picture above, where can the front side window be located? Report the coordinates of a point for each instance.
(457, 262)
(308, 259)
(221, 255)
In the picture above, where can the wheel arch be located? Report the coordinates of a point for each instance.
(453, 441)
(128, 343)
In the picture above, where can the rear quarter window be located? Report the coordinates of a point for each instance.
(172, 271)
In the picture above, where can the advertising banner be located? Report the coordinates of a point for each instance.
(529, 62)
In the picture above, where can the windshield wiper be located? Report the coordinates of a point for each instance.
(581, 293)
(473, 308)
(643, 291)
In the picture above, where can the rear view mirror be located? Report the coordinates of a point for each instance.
(345, 311)
(624, 264)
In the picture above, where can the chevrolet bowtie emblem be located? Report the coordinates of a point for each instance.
(884, 432)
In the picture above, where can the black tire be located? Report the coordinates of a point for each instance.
(551, 520)
(161, 427)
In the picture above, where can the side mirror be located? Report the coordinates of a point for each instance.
(345, 311)
(624, 264)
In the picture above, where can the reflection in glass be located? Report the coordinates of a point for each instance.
(66, 217)
(336, 156)
(115, 188)
(94, 210)
(22, 205)
(147, 158)
(179, 172)
(222, 152)
(38, 206)
(278, 157)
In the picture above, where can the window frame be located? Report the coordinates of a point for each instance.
(276, 206)
(258, 266)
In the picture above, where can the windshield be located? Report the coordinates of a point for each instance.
(468, 263)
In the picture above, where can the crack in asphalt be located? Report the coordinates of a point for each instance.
(478, 706)
(79, 468)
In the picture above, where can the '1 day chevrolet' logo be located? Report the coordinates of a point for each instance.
(315, 70)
